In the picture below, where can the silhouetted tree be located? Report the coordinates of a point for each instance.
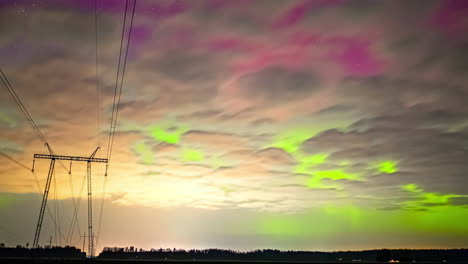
(384, 255)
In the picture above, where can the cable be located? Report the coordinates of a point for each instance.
(15, 161)
(117, 79)
(74, 203)
(37, 182)
(101, 211)
(116, 107)
(38, 189)
(55, 208)
(114, 120)
(14, 96)
(20, 105)
(49, 212)
(97, 73)
(57, 196)
(75, 213)
(123, 76)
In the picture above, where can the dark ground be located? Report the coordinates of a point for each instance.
(102, 261)
(131, 254)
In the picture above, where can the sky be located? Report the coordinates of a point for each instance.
(305, 125)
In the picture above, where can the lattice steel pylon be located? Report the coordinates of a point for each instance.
(52, 158)
(44, 203)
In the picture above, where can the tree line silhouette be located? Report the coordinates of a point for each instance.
(67, 252)
(132, 253)
(380, 255)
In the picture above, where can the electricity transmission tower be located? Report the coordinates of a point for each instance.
(52, 158)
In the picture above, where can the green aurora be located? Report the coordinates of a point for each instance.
(315, 125)
(192, 155)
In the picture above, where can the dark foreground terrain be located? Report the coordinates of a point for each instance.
(125, 261)
(73, 255)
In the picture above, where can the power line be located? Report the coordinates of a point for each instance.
(117, 79)
(115, 107)
(38, 186)
(75, 203)
(116, 104)
(56, 213)
(20, 105)
(30, 121)
(14, 96)
(117, 87)
(97, 73)
(49, 212)
(15, 161)
(103, 197)
(75, 213)
(123, 75)
(37, 183)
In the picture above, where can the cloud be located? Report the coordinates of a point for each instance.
(424, 156)
(277, 84)
(217, 141)
(283, 124)
(266, 106)
(273, 156)
(298, 11)
(448, 17)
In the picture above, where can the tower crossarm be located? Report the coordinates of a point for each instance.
(52, 157)
(74, 158)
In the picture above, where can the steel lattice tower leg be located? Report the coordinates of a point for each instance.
(90, 214)
(44, 204)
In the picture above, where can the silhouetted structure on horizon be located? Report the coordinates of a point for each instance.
(381, 255)
(67, 252)
(132, 253)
